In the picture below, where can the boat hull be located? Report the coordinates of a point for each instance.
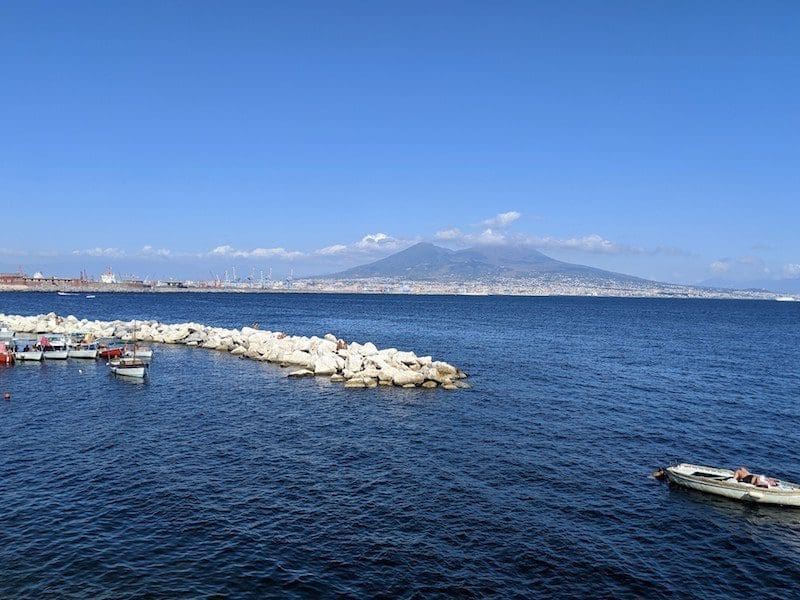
(83, 353)
(128, 367)
(720, 482)
(30, 355)
(56, 354)
(6, 358)
(137, 372)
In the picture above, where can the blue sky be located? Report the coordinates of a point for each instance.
(660, 139)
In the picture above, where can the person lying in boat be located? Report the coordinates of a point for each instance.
(745, 476)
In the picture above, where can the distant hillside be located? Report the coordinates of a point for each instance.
(425, 261)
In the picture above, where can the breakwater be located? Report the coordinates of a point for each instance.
(354, 364)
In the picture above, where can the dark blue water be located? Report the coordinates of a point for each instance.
(220, 476)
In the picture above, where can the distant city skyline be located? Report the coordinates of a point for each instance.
(182, 140)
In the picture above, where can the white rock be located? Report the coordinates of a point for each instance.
(354, 361)
(300, 373)
(298, 357)
(325, 365)
(406, 377)
(408, 358)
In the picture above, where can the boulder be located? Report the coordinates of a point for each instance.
(298, 357)
(403, 378)
(407, 358)
(300, 373)
(325, 364)
(354, 362)
(196, 336)
(368, 349)
(444, 368)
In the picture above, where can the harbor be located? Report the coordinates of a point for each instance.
(356, 365)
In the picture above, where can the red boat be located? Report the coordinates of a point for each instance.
(6, 354)
(110, 350)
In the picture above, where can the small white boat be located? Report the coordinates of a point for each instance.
(144, 354)
(54, 347)
(128, 367)
(84, 351)
(29, 355)
(721, 482)
(27, 350)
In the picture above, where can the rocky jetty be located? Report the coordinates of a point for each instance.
(356, 365)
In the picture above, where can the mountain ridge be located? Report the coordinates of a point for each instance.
(426, 261)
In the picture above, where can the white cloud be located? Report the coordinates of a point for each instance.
(489, 237)
(378, 241)
(150, 251)
(230, 251)
(223, 251)
(332, 250)
(109, 252)
(741, 268)
(720, 266)
(593, 244)
(448, 235)
(370, 244)
(502, 219)
(791, 270)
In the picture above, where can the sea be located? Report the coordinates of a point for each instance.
(221, 478)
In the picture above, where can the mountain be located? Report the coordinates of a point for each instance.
(425, 261)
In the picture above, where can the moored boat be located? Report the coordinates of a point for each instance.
(128, 367)
(722, 482)
(27, 350)
(82, 345)
(6, 354)
(110, 349)
(84, 350)
(142, 353)
(54, 347)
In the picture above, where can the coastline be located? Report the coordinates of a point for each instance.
(372, 288)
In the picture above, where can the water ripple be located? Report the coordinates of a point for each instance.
(221, 478)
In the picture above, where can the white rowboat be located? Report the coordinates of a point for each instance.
(128, 367)
(721, 482)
